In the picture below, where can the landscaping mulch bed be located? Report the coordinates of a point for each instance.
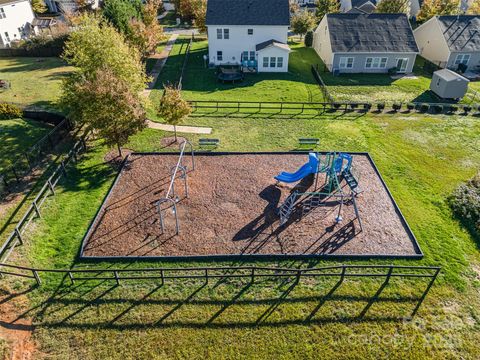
(231, 209)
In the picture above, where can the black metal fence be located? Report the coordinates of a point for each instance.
(210, 107)
(321, 84)
(33, 211)
(24, 164)
(227, 272)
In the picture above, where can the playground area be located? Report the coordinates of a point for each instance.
(249, 205)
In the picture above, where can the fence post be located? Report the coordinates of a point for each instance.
(342, 276)
(115, 273)
(163, 279)
(64, 171)
(252, 275)
(299, 273)
(19, 235)
(50, 185)
(37, 278)
(37, 210)
(206, 276)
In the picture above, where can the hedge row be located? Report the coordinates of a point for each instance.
(395, 107)
(465, 202)
(9, 111)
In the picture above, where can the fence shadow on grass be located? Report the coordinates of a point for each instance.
(108, 306)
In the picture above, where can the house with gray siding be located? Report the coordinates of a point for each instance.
(451, 40)
(366, 43)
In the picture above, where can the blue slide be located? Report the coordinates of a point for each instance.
(309, 168)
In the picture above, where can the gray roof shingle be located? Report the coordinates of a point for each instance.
(371, 33)
(248, 12)
(462, 33)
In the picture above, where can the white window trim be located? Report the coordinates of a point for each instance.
(346, 62)
(463, 57)
(379, 63)
(406, 66)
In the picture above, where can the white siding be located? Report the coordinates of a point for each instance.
(275, 52)
(240, 41)
(322, 44)
(431, 42)
(18, 15)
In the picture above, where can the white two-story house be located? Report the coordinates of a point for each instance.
(249, 33)
(16, 17)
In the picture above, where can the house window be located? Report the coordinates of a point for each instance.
(376, 63)
(462, 59)
(219, 55)
(252, 55)
(272, 61)
(346, 63)
(226, 33)
(219, 33)
(250, 31)
(7, 37)
(2, 14)
(265, 62)
(245, 55)
(279, 62)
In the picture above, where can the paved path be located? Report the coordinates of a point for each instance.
(181, 129)
(161, 60)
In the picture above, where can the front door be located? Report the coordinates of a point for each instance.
(402, 65)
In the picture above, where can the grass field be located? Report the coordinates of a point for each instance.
(18, 135)
(34, 81)
(421, 158)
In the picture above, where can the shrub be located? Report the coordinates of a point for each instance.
(9, 111)
(367, 106)
(392, 71)
(424, 108)
(353, 106)
(438, 108)
(308, 39)
(465, 202)
(396, 106)
(467, 109)
(336, 106)
(410, 106)
(380, 106)
(453, 108)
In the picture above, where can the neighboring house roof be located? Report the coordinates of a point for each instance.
(44, 22)
(462, 32)
(365, 33)
(367, 7)
(272, 42)
(360, 3)
(248, 12)
(449, 75)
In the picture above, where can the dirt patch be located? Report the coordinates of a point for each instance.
(17, 331)
(232, 209)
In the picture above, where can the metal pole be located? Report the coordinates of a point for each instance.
(37, 278)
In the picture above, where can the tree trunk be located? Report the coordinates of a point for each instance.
(175, 132)
(119, 150)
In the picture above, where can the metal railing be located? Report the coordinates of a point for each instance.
(16, 236)
(35, 155)
(227, 272)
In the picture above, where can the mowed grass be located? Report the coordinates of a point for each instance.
(17, 136)
(421, 158)
(34, 81)
(200, 83)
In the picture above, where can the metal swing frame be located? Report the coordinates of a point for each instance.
(171, 197)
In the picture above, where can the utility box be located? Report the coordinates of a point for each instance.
(448, 84)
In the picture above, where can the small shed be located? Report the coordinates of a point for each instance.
(448, 84)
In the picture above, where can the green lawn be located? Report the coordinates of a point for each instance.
(421, 158)
(34, 81)
(18, 135)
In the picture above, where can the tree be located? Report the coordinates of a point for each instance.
(173, 108)
(39, 6)
(393, 7)
(302, 22)
(200, 14)
(326, 7)
(474, 8)
(294, 7)
(430, 8)
(120, 12)
(106, 104)
(104, 92)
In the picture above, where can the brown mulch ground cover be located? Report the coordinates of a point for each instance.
(231, 209)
